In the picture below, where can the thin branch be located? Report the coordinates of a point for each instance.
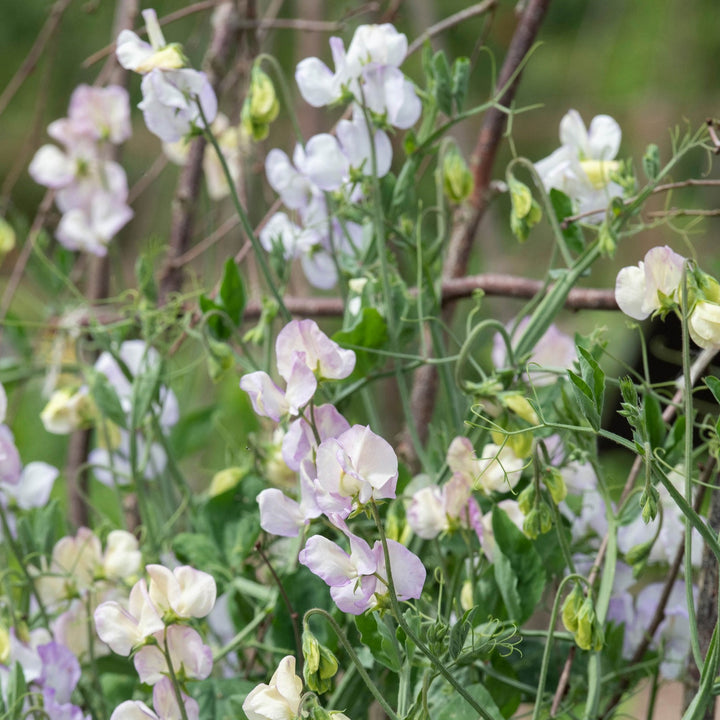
(682, 212)
(188, 188)
(451, 21)
(666, 187)
(36, 51)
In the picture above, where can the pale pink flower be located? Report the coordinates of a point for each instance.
(184, 590)
(278, 700)
(190, 657)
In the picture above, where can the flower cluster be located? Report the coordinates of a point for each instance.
(153, 627)
(49, 668)
(341, 469)
(655, 285)
(175, 97)
(367, 74)
(90, 187)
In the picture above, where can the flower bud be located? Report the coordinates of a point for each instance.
(4, 646)
(7, 238)
(526, 499)
(171, 57)
(261, 105)
(589, 634)
(320, 663)
(521, 407)
(571, 608)
(457, 179)
(525, 210)
(555, 484)
(225, 480)
(649, 504)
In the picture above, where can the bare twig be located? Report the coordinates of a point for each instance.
(682, 212)
(451, 21)
(666, 187)
(36, 51)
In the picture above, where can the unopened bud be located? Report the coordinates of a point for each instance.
(589, 634)
(648, 503)
(320, 663)
(7, 238)
(571, 608)
(555, 483)
(525, 210)
(526, 499)
(225, 480)
(261, 105)
(457, 179)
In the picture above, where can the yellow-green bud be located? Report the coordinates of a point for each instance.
(589, 634)
(639, 553)
(525, 210)
(648, 503)
(571, 608)
(7, 238)
(526, 499)
(458, 181)
(225, 480)
(555, 484)
(4, 646)
(261, 105)
(521, 407)
(320, 663)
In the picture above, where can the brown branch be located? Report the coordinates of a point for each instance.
(683, 212)
(451, 21)
(424, 388)
(36, 51)
(666, 187)
(188, 188)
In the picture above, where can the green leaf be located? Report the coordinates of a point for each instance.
(232, 292)
(457, 708)
(519, 570)
(369, 331)
(198, 550)
(443, 82)
(107, 400)
(459, 633)
(460, 77)
(654, 423)
(380, 641)
(651, 162)
(584, 396)
(713, 384)
(675, 441)
(562, 205)
(219, 327)
(16, 692)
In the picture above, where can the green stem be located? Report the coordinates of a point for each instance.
(354, 658)
(173, 677)
(434, 659)
(244, 220)
(689, 430)
(545, 663)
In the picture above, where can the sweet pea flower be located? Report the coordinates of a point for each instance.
(322, 355)
(185, 591)
(581, 167)
(189, 656)
(357, 465)
(357, 579)
(704, 324)
(555, 350)
(164, 702)
(123, 630)
(101, 113)
(639, 290)
(434, 510)
(368, 71)
(299, 442)
(355, 140)
(278, 700)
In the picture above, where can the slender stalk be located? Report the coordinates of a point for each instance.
(244, 220)
(354, 659)
(173, 677)
(434, 659)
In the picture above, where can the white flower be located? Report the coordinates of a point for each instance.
(704, 324)
(184, 590)
(581, 167)
(638, 289)
(172, 100)
(280, 699)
